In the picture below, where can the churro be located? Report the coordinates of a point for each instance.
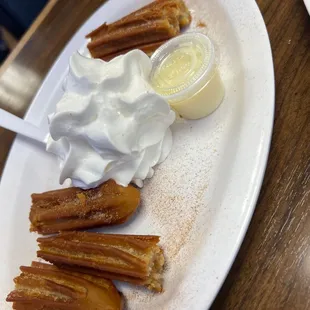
(131, 258)
(74, 208)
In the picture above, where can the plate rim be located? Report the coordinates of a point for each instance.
(307, 5)
(263, 167)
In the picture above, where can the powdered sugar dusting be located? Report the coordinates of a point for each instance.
(175, 199)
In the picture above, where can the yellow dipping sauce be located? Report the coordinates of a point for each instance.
(184, 73)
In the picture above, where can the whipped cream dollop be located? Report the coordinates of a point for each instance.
(109, 123)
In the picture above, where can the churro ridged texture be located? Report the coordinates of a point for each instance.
(145, 29)
(47, 287)
(130, 258)
(74, 208)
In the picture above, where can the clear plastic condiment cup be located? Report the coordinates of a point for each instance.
(184, 72)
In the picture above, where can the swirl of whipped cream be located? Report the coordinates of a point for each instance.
(109, 123)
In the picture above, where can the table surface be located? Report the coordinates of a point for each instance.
(272, 269)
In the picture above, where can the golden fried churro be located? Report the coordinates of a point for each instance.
(46, 287)
(131, 258)
(170, 8)
(74, 208)
(158, 21)
(126, 38)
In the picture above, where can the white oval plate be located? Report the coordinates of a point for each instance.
(201, 199)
